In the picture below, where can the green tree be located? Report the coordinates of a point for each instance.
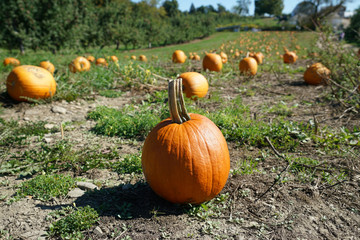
(352, 33)
(271, 7)
(171, 7)
(242, 7)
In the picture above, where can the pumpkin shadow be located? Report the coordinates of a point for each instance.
(7, 102)
(129, 202)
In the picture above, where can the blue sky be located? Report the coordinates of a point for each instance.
(184, 5)
(289, 5)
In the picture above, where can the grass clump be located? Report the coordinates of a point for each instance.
(236, 123)
(46, 187)
(130, 164)
(58, 157)
(72, 221)
(14, 133)
(128, 122)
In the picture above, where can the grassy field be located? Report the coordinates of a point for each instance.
(294, 148)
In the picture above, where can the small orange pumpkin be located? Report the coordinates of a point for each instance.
(91, 58)
(133, 57)
(290, 57)
(79, 64)
(185, 158)
(259, 57)
(48, 66)
(224, 57)
(178, 56)
(142, 58)
(213, 62)
(28, 81)
(316, 74)
(196, 57)
(114, 59)
(248, 66)
(101, 62)
(11, 61)
(194, 84)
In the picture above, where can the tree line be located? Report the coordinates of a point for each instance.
(56, 24)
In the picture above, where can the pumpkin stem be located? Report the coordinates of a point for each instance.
(177, 107)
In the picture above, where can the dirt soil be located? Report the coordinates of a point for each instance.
(290, 210)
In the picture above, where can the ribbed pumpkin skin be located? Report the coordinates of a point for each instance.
(290, 57)
(178, 56)
(213, 62)
(30, 81)
(248, 66)
(48, 66)
(11, 61)
(188, 162)
(316, 74)
(79, 64)
(195, 84)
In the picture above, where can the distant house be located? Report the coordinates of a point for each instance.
(336, 16)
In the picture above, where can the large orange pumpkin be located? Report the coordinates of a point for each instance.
(178, 56)
(248, 65)
(79, 64)
(290, 57)
(316, 74)
(11, 61)
(28, 81)
(48, 66)
(195, 84)
(213, 62)
(185, 158)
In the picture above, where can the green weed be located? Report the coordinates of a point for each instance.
(110, 93)
(46, 187)
(72, 221)
(128, 122)
(210, 209)
(55, 158)
(14, 133)
(130, 164)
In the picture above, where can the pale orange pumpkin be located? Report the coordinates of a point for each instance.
(133, 57)
(178, 56)
(48, 66)
(11, 61)
(114, 59)
(79, 64)
(213, 62)
(224, 57)
(28, 81)
(290, 57)
(101, 62)
(248, 66)
(259, 57)
(91, 58)
(142, 58)
(194, 84)
(316, 74)
(185, 158)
